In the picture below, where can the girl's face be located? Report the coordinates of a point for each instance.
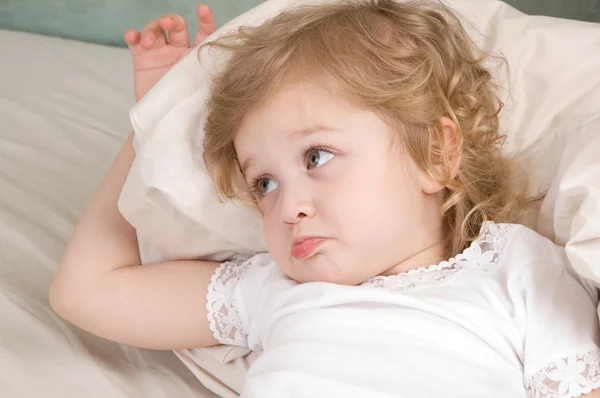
(339, 202)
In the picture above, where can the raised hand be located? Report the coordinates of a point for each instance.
(161, 44)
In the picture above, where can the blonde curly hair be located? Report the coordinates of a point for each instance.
(411, 62)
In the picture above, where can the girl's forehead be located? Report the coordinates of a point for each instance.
(296, 109)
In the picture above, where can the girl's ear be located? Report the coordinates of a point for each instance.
(446, 154)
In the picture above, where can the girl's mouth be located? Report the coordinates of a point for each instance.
(303, 248)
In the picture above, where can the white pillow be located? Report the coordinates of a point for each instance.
(570, 213)
(554, 96)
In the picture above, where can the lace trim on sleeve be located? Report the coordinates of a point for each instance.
(566, 377)
(224, 319)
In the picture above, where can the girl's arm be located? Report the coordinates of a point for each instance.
(101, 287)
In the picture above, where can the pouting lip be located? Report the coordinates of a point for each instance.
(306, 247)
(301, 239)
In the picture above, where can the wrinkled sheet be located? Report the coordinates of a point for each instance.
(63, 116)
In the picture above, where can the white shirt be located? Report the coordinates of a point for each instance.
(505, 318)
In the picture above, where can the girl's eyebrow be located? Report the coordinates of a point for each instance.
(246, 165)
(303, 132)
(313, 130)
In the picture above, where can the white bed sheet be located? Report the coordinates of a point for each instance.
(63, 116)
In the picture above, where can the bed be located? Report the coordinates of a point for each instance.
(63, 116)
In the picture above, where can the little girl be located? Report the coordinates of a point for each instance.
(366, 135)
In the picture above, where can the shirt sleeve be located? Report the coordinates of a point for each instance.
(231, 296)
(558, 320)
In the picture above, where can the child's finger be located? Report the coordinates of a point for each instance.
(206, 23)
(178, 30)
(132, 38)
(153, 35)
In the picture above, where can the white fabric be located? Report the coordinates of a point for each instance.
(505, 318)
(552, 115)
(63, 117)
(570, 214)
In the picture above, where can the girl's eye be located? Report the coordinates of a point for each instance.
(265, 185)
(317, 158)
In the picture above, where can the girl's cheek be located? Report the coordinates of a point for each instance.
(268, 204)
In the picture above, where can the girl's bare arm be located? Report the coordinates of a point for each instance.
(101, 287)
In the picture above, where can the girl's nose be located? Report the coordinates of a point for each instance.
(295, 205)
